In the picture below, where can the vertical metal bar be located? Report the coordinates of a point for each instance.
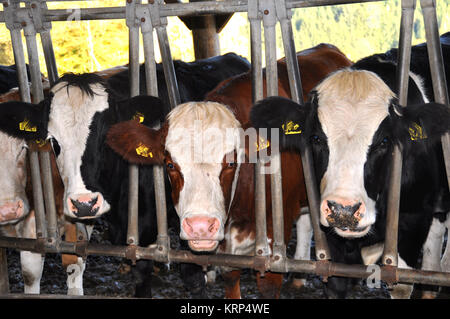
(50, 61)
(390, 253)
(289, 51)
(261, 245)
(158, 171)
(33, 61)
(133, 186)
(437, 69)
(160, 24)
(36, 9)
(4, 279)
(269, 22)
(41, 230)
(321, 245)
(49, 197)
(19, 59)
(169, 69)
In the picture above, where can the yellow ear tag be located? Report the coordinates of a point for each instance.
(40, 142)
(143, 151)
(291, 128)
(26, 126)
(416, 132)
(138, 116)
(262, 144)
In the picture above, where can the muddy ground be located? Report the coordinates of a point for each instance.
(104, 277)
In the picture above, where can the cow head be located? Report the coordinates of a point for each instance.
(199, 145)
(73, 119)
(13, 200)
(19, 122)
(351, 125)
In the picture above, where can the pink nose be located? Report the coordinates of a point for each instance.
(85, 205)
(11, 210)
(201, 227)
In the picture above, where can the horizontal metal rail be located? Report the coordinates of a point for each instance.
(179, 9)
(322, 268)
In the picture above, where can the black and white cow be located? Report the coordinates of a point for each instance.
(352, 122)
(75, 118)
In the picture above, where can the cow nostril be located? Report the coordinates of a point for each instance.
(332, 205)
(355, 208)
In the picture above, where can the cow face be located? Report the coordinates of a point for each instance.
(199, 144)
(13, 200)
(351, 125)
(70, 116)
(19, 122)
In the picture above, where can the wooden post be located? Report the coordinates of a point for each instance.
(4, 281)
(205, 31)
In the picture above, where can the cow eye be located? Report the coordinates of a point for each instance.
(384, 142)
(231, 164)
(170, 166)
(315, 139)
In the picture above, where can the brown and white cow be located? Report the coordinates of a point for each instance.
(213, 190)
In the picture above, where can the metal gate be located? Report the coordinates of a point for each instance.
(35, 18)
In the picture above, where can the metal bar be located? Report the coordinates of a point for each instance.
(41, 229)
(269, 22)
(33, 61)
(49, 55)
(261, 245)
(437, 69)
(169, 70)
(323, 268)
(182, 9)
(19, 59)
(36, 9)
(390, 253)
(4, 279)
(133, 170)
(163, 240)
(49, 197)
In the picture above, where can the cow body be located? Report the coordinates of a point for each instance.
(212, 188)
(75, 118)
(351, 124)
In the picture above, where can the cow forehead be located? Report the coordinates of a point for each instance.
(72, 111)
(202, 132)
(352, 104)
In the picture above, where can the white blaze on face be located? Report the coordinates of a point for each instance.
(71, 114)
(352, 104)
(200, 135)
(13, 200)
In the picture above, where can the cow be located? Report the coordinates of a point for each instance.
(352, 122)
(74, 118)
(212, 186)
(17, 213)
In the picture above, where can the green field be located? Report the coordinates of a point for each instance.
(358, 30)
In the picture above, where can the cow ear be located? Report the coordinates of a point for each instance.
(423, 122)
(25, 120)
(282, 114)
(147, 110)
(137, 143)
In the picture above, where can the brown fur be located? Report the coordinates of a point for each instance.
(126, 137)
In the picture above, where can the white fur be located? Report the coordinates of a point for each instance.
(200, 135)
(13, 172)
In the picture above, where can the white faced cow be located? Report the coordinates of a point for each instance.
(351, 124)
